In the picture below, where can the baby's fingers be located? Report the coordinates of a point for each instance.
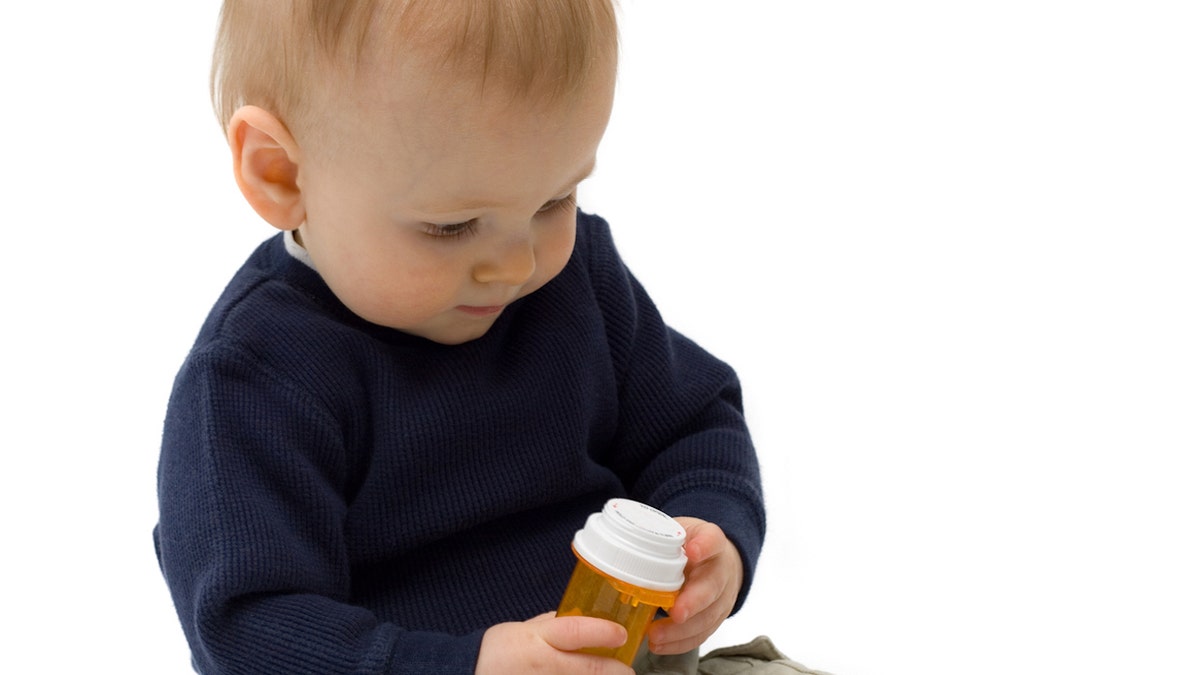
(668, 637)
(702, 591)
(704, 541)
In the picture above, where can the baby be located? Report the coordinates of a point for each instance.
(404, 404)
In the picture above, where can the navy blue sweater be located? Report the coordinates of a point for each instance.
(338, 497)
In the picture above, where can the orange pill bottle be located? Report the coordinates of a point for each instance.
(630, 564)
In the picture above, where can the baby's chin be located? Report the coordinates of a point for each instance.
(456, 331)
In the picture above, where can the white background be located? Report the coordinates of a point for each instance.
(951, 248)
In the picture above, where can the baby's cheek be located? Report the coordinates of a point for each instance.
(557, 244)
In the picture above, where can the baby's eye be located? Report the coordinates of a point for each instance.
(567, 202)
(452, 230)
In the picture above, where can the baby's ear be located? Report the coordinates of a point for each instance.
(265, 165)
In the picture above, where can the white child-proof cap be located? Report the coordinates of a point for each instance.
(635, 543)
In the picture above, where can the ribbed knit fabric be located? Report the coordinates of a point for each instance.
(338, 497)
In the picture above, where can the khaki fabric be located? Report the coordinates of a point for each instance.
(758, 657)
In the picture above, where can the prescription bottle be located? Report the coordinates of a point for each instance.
(630, 564)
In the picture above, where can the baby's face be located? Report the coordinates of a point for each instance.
(429, 208)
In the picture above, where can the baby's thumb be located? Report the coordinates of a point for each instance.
(572, 633)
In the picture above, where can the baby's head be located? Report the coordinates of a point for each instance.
(425, 152)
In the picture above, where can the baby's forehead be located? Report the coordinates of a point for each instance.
(546, 50)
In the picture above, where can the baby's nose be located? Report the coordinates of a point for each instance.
(511, 264)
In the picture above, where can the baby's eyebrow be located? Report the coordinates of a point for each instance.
(438, 214)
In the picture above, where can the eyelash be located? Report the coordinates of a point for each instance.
(451, 231)
(466, 228)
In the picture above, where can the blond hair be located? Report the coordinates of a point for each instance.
(270, 53)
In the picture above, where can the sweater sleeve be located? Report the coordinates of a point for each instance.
(250, 540)
(682, 443)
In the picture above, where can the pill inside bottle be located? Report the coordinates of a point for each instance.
(630, 564)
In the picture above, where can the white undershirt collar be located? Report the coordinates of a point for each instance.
(296, 250)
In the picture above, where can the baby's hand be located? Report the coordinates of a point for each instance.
(547, 644)
(713, 578)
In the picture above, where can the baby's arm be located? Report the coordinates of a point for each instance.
(713, 579)
(547, 644)
(251, 536)
(682, 446)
